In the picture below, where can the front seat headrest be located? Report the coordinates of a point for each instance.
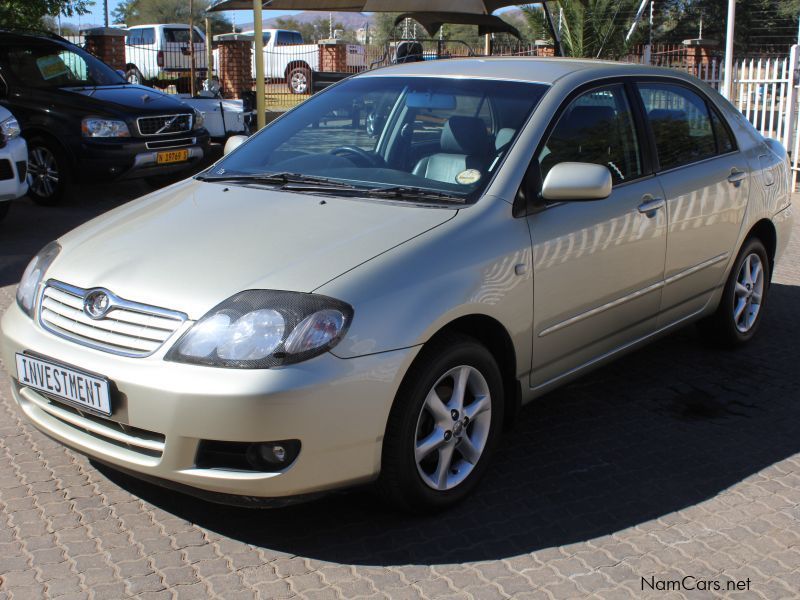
(466, 135)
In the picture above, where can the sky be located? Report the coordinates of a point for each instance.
(95, 15)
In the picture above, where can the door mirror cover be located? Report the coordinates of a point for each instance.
(574, 181)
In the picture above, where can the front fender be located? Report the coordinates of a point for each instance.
(479, 262)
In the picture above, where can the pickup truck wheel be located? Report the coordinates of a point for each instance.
(299, 80)
(48, 171)
(134, 76)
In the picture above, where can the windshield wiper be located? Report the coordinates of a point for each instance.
(404, 192)
(282, 179)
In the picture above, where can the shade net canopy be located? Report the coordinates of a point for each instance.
(475, 7)
(433, 21)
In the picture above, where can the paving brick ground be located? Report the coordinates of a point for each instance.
(677, 461)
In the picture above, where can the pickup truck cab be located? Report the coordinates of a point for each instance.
(162, 52)
(288, 58)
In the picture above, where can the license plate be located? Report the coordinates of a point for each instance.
(172, 156)
(66, 383)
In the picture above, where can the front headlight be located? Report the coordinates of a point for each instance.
(199, 119)
(10, 128)
(104, 128)
(258, 329)
(33, 276)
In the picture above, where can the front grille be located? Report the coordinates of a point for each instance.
(164, 124)
(178, 143)
(127, 328)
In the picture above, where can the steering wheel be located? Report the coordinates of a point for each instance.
(368, 159)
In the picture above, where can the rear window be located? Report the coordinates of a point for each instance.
(180, 36)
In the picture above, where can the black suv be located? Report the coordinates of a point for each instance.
(84, 122)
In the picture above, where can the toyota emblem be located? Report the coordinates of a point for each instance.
(96, 304)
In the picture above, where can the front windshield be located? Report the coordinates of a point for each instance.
(51, 65)
(443, 135)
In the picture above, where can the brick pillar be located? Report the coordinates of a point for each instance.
(332, 56)
(235, 64)
(107, 44)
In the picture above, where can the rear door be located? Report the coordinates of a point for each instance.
(177, 51)
(706, 181)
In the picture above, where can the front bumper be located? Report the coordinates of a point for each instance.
(14, 182)
(134, 157)
(337, 408)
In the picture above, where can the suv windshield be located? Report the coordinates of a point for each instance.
(441, 135)
(50, 65)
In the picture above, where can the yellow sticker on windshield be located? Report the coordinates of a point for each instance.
(468, 177)
(51, 66)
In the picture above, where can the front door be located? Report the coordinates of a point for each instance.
(598, 265)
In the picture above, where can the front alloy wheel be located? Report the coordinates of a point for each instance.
(443, 426)
(453, 427)
(47, 176)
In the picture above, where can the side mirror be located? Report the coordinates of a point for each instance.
(572, 181)
(233, 142)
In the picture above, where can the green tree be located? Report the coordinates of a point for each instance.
(589, 28)
(33, 13)
(141, 12)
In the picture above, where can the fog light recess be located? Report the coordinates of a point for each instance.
(267, 457)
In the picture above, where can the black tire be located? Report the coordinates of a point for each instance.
(401, 482)
(4, 206)
(722, 327)
(299, 80)
(49, 171)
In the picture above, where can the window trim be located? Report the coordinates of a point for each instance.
(636, 81)
(641, 134)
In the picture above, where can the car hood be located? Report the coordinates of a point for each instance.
(126, 98)
(194, 244)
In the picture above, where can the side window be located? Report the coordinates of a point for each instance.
(596, 127)
(297, 38)
(680, 122)
(284, 38)
(138, 37)
(725, 141)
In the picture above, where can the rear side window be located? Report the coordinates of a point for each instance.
(285, 38)
(139, 37)
(181, 36)
(680, 122)
(725, 141)
(596, 127)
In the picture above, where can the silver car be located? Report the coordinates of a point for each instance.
(371, 287)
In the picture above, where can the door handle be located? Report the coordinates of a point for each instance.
(736, 177)
(650, 206)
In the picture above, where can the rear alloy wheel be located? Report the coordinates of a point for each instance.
(299, 80)
(47, 171)
(443, 427)
(739, 313)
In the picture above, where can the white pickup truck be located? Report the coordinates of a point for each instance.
(288, 58)
(162, 52)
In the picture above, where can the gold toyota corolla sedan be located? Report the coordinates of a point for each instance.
(369, 289)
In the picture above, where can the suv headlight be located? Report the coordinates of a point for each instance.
(104, 128)
(10, 128)
(258, 329)
(199, 119)
(28, 287)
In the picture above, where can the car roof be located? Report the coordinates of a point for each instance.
(546, 70)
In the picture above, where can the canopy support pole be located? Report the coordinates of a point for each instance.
(209, 54)
(727, 81)
(258, 47)
(553, 29)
